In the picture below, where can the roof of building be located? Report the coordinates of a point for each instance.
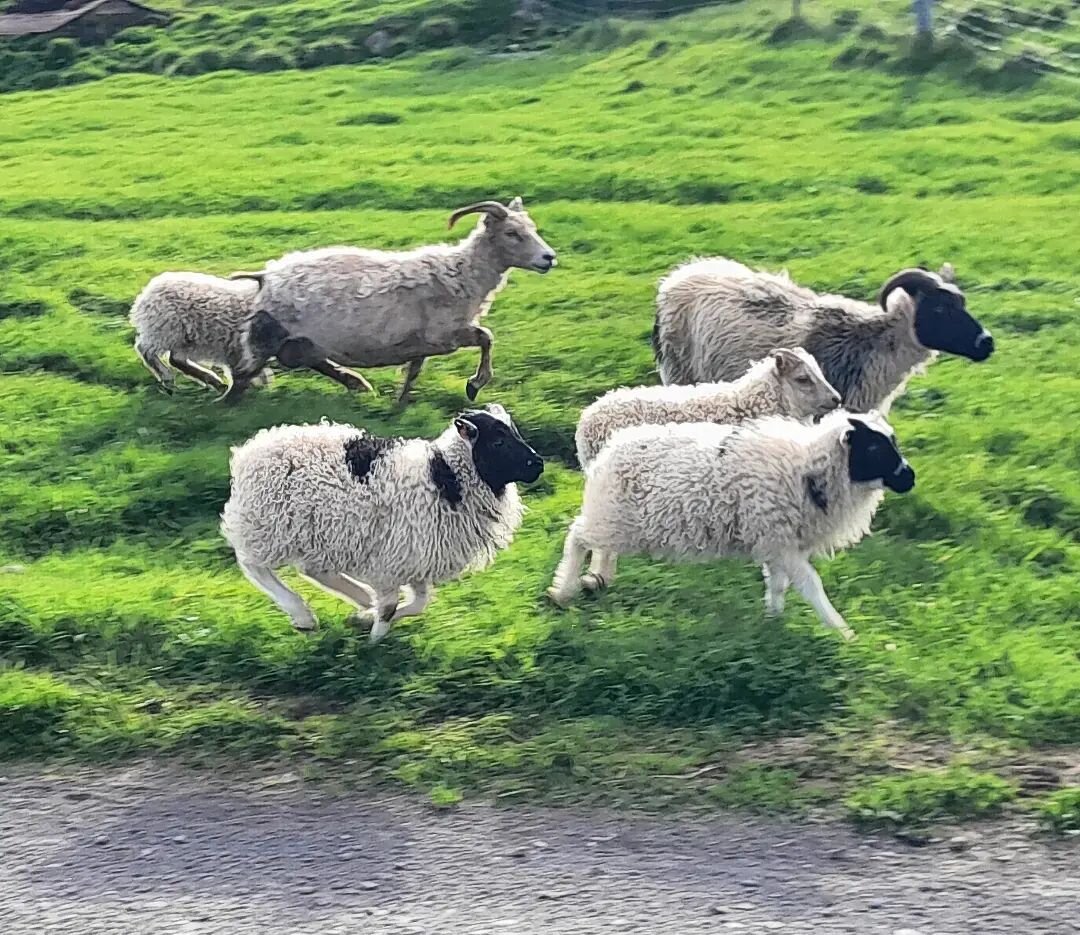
(30, 24)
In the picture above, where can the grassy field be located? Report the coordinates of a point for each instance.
(125, 627)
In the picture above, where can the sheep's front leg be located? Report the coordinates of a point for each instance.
(385, 608)
(198, 373)
(153, 362)
(281, 594)
(422, 592)
(567, 583)
(807, 582)
(475, 336)
(776, 585)
(412, 371)
(601, 570)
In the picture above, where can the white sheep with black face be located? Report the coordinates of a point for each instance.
(788, 382)
(774, 490)
(715, 315)
(363, 516)
(375, 308)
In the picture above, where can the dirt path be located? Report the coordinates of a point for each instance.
(148, 851)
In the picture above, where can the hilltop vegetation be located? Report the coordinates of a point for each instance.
(125, 627)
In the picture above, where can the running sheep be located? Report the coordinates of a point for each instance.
(788, 382)
(374, 308)
(714, 315)
(187, 320)
(774, 490)
(362, 516)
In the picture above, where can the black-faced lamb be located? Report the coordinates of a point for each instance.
(363, 516)
(787, 382)
(774, 490)
(187, 320)
(715, 315)
(375, 308)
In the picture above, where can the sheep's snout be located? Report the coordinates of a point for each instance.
(902, 478)
(984, 346)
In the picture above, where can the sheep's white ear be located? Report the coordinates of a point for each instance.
(498, 411)
(516, 204)
(466, 430)
(947, 273)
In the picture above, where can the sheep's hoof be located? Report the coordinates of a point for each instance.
(557, 598)
(306, 626)
(471, 390)
(167, 388)
(849, 635)
(362, 620)
(591, 581)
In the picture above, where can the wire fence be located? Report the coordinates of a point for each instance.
(1044, 39)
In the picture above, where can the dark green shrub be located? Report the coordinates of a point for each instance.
(399, 46)
(436, 31)
(136, 35)
(327, 52)
(378, 118)
(270, 60)
(61, 53)
(43, 80)
(164, 60)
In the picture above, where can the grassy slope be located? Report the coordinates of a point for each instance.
(124, 625)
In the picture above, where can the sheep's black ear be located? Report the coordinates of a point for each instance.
(467, 430)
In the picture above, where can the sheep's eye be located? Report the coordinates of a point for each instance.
(513, 235)
(805, 381)
(498, 443)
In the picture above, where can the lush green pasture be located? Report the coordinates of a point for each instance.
(124, 626)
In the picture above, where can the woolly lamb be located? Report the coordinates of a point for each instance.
(787, 383)
(372, 308)
(715, 315)
(191, 319)
(361, 515)
(775, 490)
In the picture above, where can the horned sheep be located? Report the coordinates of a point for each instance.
(374, 308)
(788, 382)
(191, 320)
(775, 490)
(714, 315)
(361, 516)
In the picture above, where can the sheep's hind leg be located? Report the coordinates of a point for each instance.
(412, 371)
(475, 336)
(776, 584)
(807, 582)
(198, 373)
(422, 592)
(348, 589)
(567, 581)
(152, 361)
(281, 594)
(302, 352)
(601, 570)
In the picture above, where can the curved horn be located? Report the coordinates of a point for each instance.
(484, 207)
(907, 279)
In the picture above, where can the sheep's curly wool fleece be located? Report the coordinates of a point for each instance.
(714, 315)
(295, 502)
(699, 491)
(760, 391)
(203, 318)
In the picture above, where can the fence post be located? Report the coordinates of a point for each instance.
(796, 9)
(924, 23)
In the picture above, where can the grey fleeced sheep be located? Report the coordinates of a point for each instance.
(374, 308)
(715, 315)
(788, 382)
(775, 490)
(191, 319)
(362, 516)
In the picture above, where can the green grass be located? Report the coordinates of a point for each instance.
(124, 625)
(1060, 811)
(925, 795)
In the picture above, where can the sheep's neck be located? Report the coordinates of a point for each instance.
(480, 273)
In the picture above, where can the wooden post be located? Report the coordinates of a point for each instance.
(796, 9)
(924, 20)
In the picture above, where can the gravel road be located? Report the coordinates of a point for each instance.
(150, 850)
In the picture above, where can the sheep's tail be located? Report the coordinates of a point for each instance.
(259, 277)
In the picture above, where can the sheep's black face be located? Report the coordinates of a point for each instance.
(943, 323)
(873, 455)
(500, 454)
